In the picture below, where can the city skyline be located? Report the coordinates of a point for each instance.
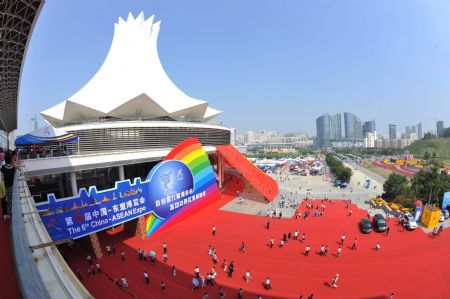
(219, 53)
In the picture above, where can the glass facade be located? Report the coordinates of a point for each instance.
(369, 127)
(336, 127)
(323, 130)
(392, 132)
(350, 125)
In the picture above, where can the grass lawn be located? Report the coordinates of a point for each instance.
(381, 171)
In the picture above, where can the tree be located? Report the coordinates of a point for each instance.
(447, 132)
(434, 155)
(428, 135)
(430, 182)
(426, 155)
(395, 185)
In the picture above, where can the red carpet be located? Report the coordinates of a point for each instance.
(410, 264)
(8, 283)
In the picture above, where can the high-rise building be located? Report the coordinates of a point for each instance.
(249, 137)
(335, 127)
(323, 130)
(392, 132)
(358, 129)
(419, 131)
(408, 130)
(350, 125)
(369, 127)
(440, 128)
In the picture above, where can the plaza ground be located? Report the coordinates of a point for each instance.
(410, 264)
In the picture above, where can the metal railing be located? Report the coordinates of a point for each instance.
(28, 277)
(40, 269)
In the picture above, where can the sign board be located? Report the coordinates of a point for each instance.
(174, 188)
(446, 200)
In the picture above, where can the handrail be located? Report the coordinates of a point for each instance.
(27, 274)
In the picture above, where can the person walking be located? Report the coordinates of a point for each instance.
(242, 247)
(271, 242)
(268, 224)
(354, 245)
(108, 250)
(267, 285)
(162, 286)
(322, 250)
(326, 250)
(296, 234)
(146, 278)
(342, 239)
(124, 283)
(334, 281)
(339, 251)
(197, 271)
(377, 247)
(205, 296)
(174, 271)
(164, 246)
(122, 255)
(247, 276)
(231, 269)
(214, 230)
(307, 250)
(387, 231)
(221, 293)
(240, 293)
(303, 237)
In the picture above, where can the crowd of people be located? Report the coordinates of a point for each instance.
(202, 280)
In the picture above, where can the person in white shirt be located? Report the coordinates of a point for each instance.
(124, 283)
(267, 285)
(247, 276)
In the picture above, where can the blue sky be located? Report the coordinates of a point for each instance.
(273, 65)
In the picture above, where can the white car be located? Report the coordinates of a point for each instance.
(409, 222)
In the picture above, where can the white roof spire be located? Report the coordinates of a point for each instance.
(131, 79)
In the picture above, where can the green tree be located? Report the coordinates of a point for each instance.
(430, 183)
(426, 155)
(395, 185)
(434, 155)
(447, 132)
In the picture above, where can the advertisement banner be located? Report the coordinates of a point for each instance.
(446, 200)
(172, 189)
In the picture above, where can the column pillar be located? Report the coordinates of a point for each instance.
(96, 245)
(121, 173)
(73, 183)
(141, 230)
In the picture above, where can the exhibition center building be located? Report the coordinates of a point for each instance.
(127, 117)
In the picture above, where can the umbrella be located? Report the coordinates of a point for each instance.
(152, 253)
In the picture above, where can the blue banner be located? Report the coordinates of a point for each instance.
(92, 211)
(446, 200)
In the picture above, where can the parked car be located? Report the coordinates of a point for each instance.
(409, 222)
(379, 223)
(365, 225)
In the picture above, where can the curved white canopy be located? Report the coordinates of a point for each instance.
(131, 83)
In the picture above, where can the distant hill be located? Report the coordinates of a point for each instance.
(441, 146)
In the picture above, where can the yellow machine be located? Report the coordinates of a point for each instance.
(430, 216)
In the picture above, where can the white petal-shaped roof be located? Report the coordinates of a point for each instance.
(131, 83)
